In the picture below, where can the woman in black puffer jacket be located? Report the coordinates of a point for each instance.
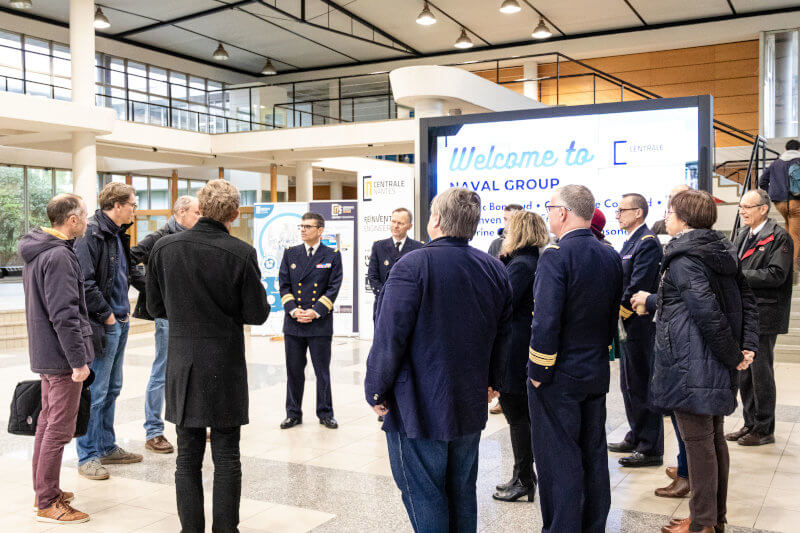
(706, 329)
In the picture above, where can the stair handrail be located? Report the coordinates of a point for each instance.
(756, 160)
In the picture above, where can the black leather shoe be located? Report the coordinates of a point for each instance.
(736, 435)
(638, 459)
(329, 423)
(291, 422)
(507, 485)
(621, 447)
(515, 492)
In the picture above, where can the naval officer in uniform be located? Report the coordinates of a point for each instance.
(577, 292)
(310, 277)
(387, 252)
(641, 260)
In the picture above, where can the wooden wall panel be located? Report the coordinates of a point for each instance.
(728, 72)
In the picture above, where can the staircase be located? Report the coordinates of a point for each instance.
(788, 346)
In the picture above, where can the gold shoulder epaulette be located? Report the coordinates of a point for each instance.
(648, 237)
(553, 246)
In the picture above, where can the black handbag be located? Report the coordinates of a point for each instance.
(27, 404)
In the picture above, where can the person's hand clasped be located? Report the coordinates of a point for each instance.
(79, 375)
(536, 383)
(747, 361)
(492, 395)
(639, 302)
(380, 409)
(304, 316)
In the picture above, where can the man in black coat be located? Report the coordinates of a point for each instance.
(765, 250)
(186, 211)
(387, 252)
(641, 259)
(208, 284)
(310, 277)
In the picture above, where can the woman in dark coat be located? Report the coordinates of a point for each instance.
(525, 233)
(706, 330)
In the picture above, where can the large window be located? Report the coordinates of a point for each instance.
(781, 58)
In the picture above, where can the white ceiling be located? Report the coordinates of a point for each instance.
(255, 31)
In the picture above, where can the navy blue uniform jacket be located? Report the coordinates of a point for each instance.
(577, 292)
(442, 336)
(521, 267)
(383, 257)
(310, 284)
(641, 261)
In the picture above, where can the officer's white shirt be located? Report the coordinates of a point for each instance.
(402, 243)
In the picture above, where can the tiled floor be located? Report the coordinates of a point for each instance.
(312, 478)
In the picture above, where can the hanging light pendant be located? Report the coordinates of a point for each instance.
(21, 4)
(269, 69)
(541, 31)
(101, 22)
(510, 6)
(426, 16)
(220, 54)
(463, 40)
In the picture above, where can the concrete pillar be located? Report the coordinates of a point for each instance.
(304, 182)
(336, 190)
(429, 107)
(221, 173)
(173, 187)
(263, 186)
(82, 65)
(530, 71)
(273, 182)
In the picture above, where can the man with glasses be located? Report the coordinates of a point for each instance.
(641, 259)
(310, 277)
(104, 255)
(766, 252)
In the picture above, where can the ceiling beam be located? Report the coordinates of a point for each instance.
(542, 15)
(370, 25)
(637, 13)
(184, 18)
(446, 14)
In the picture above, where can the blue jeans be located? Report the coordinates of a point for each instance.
(437, 480)
(683, 465)
(100, 439)
(154, 395)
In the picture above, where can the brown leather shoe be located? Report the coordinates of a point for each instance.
(755, 439)
(68, 497)
(677, 489)
(672, 472)
(682, 526)
(60, 512)
(736, 435)
(719, 528)
(159, 445)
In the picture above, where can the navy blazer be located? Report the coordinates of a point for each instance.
(641, 261)
(383, 257)
(577, 289)
(310, 284)
(442, 337)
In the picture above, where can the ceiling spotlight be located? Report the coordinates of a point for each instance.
(220, 54)
(463, 40)
(541, 31)
(21, 4)
(426, 17)
(100, 20)
(510, 6)
(269, 69)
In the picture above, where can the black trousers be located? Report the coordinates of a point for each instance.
(320, 348)
(227, 478)
(635, 368)
(515, 409)
(757, 385)
(569, 444)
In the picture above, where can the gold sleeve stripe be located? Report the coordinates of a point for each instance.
(541, 359)
(287, 297)
(324, 300)
(552, 246)
(625, 313)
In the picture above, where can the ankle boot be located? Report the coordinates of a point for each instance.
(515, 492)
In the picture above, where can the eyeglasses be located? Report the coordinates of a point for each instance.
(621, 209)
(134, 204)
(749, 206)
(553, 206)
(306, 226)
(669, 213)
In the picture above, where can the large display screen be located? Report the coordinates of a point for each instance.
(646, 147)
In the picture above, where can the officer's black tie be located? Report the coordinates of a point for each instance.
(397, 245)
(310, 252)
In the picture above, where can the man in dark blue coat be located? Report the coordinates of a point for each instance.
(641, 259)
(442, 338)
(387, 252)
(577, 292)
(310, 277)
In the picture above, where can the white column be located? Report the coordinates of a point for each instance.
(304, 182)
(263, 185)
(429, 107)
(336, 190)
(530, 71)
(84, 150)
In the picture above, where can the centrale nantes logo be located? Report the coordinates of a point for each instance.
(382, 187)
(367, 189)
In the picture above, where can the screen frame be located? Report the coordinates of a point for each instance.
(430, 128)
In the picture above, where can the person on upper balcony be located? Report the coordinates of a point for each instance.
(782, 181)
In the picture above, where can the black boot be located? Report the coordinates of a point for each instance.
(507, 485)
(516, 491)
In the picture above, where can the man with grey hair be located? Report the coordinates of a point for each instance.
(186, 212)
(577, 292)
(766, 252)
(442, 338)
